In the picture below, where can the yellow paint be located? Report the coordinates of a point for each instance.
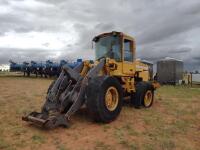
(148, 98)
(111, 98)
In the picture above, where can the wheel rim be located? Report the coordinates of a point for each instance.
(148, 98)
(111, 98)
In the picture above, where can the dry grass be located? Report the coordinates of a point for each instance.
(172, 123)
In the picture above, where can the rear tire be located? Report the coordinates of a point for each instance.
(104, 98)
(143, 96)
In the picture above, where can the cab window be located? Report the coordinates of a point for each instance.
(128, 54)
(108, 46)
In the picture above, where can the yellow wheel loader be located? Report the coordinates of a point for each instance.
(101, 85)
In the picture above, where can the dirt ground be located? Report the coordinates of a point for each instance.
(173, 122)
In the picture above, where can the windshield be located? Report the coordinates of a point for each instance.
(108, 46)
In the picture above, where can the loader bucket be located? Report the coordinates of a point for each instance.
(65, 96)
(47, 122)
(34, 118)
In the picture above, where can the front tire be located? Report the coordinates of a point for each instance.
(104, 98)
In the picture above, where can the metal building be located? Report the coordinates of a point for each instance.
(169, 71)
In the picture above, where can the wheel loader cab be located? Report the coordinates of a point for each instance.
(118, 47)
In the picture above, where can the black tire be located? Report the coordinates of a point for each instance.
(137, 98)
(95, 102)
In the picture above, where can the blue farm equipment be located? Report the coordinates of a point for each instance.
(52, 69)
(14, 66)
(41, 69)
(47, 69)
(55, 69)
(33, 67)
(25, 68)
(37, 68)
(76, 63)
(63, 62)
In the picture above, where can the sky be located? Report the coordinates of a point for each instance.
(63, 29)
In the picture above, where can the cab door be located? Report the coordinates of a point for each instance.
(128, 56)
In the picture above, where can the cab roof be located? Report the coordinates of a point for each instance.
(112, 33)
